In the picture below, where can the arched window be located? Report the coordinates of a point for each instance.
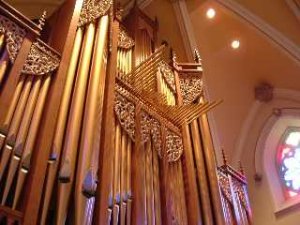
(288, 162)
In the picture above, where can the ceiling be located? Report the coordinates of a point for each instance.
(33, 9)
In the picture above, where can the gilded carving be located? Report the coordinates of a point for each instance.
(92, 10)
(125, 112)
(145, 126)
(240, 191)
(124, 41)
(156, 136)
(14, 36)
(174, 146)
(168, 75)
(191, 89)
(40, 60)
(150, 127)
(225, 186)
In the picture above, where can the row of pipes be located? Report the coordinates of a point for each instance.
(75, 148)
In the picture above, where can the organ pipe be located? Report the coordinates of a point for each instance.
(73, 128)
(32, 133)
(61, 124)
(89, 121)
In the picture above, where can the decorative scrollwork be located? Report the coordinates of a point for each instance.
(156, 136)
(168, 75)
(145, 126)
(174, 146)
(225, 186)
(14, 36)
(191, 89)
(41, 60)
(151, 127)
(124, 41)
(240, 191)
(93, 9)
(125, 112)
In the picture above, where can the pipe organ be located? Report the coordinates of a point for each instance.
(109, 131)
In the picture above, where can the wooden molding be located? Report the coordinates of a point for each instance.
(295, 7)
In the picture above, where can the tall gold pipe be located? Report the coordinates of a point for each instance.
(201, 173)
(152, 192)
(74, 126)
(148, 182)
(61, 124)
(182, 194)
(209, 156)
(2, 41)
(118, 59)
(123, 178)
(129, 191)
(156, 189)
(89, 121)
(4, 62)
(116, 183)
(21, 137)
(32, 133)
(13, 104)
(18, 114)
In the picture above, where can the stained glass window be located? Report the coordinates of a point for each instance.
(288, 160)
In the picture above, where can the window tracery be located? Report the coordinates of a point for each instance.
(288, 160)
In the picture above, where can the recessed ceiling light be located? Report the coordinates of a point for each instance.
(235, 44)
(210, 13)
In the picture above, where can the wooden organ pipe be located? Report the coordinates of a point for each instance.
(61, 125)
(201, 173)
(88, 130)
(148, 184)
(156, 187)
(18, 146)
(173, 172)
(32, 133)
(2, 40)
(4, 63)
(66, 175)
(123, 204)
(116, 176)
(128, 182)
(210, 160)
(13, 123)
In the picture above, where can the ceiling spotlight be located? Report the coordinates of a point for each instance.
(235, 44)
(210, 13)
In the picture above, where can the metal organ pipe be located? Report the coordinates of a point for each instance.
(21, 137)
(32, 133)
(67, 171)
(4, 63)
(88, 129)
(61, 125)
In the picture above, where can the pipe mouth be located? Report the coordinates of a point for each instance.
(64, 179)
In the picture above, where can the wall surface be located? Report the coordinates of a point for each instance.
(168, 26)
(233, 74)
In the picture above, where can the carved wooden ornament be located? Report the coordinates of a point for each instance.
(174, 146)
(168, 75)
(92, 10)
(125, 112)
(14, 36)
(191, 89)
(124, 41)
(41, 60)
